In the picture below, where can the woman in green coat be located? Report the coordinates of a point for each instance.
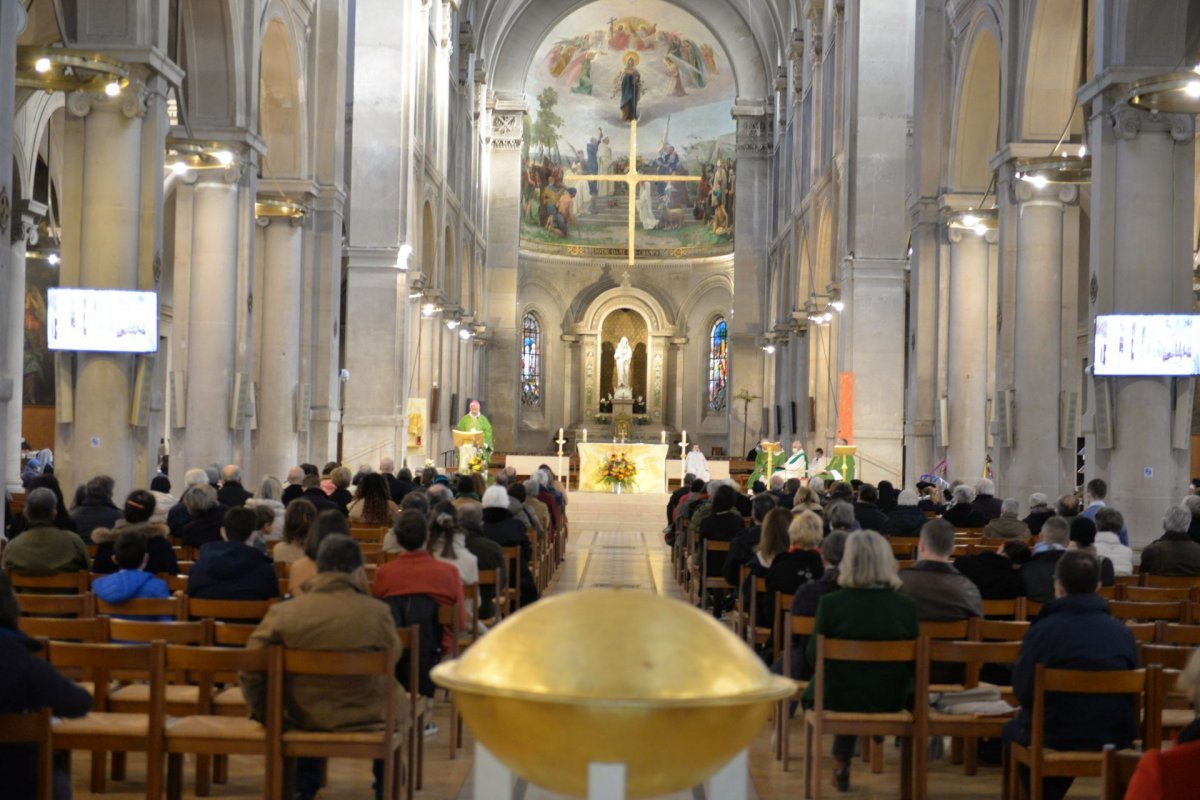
(866, 607)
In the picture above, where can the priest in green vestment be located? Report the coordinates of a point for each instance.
(770, 459)
(475, 421)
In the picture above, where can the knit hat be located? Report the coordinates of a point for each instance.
(495, 497)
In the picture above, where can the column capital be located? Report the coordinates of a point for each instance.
(1128, 122)
(755, 127)
(131, 101)
(506, 133)
(1026, 193)
(26, 216)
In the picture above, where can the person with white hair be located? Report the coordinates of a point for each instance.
(1040, 510)
(986, 502)
(1173, 553)
(232, 493)
(501, 528)
(178, 517)
(963, 514)
(293, 486)
(1007, 526)
(907, 519)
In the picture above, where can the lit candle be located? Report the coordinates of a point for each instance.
(685, 437)
(664, 437)
(585, 434)
(560, 434)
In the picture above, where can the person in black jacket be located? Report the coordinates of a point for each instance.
(996, 574)
(29, 683)
(907, 519)
(62, 517)
(1038, 572)
(866, 510)
(741, 550)
(805, 602)
(232, 494)
(97, 509)
(402, 484)
(1039, 512)
(314, 494)
(1075, 631)
(206, 516)
(802, 561)
(722, 525)
(231, 569)
(139, 507)
(684, 488)
(963, 514)
(501, 528)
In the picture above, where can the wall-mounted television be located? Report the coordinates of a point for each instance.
(1147, 344)
(102, 320)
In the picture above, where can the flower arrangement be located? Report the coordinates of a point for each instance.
(618, 470)
(476, 463)
(429, 463)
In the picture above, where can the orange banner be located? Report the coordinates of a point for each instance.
(845, 426)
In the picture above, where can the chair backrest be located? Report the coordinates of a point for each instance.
(1127, 580)
(903, 650)
(231, 634)
(1131, 610)
(59, 605)
(421, 611)
(905, 546)
(1165, 655)
(185, 567)
(1012, 609)
(991, 630)
(1142, 631)
(408, 670)
(1170, 581)
(448, 617)
(63, 582)
(175, 583)
(1080, 681)
(206, 666)
(92, 629)
(490, 579)
(249, 610)
(1154, 594)
(97, 662)
(471, 598)
(1116, 771)
(33, 727)
(1173, 633)
(971, 654)
(957, 629)
(345, 664)
(146, 607)
(712, 567)
(194, 633)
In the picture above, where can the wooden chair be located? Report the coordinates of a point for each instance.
(991, 630)
(1176, 711)
(1170, 581)
(1172, 633)
(1116, 771)
(906, 725)
(754, 633)
(1043, 762)
(185, 567)
(1154, 594)
(491, 577)
(33, 728)
(971, 727)
(58, 605)
(512, 566)
(706, 582)
(449, 617)
(783, 607)
(410, 638)
(246, 611)
(1143, 632)
(179, 696)
(1127, 580)
(175, 607)
(175, 583)
(1171, 610)
(1007, 609)
(904, 547)
(384, 744)
(208, 735)
(91, 629)
(794, 626)
(103, 730)
(62, 583)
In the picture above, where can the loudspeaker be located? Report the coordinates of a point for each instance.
(812, 414)
(941, 422)
(1181, 418)
(143, 380)
(64, 388)
(766, 422)
(250, 410)
(778, 420)
(435, 395)
(177, 389)
(303, 398)
(453, 408)
(1068, 414)
(1102, 419)
(1001, 425)
(792, 405)
(236, 400)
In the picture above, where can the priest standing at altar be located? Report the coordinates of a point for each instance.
(696, 464)
(475, 421)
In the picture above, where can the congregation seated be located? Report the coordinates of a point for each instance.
(297, 521)
(685, 486)
(808, 597)
(399, 483)
(1067, 505)
(132, 580)
(1192, 501)
(1109, 524)
(697, 494)
(941, 592)
(906, 520)
(839, 516)
(97, 509)
(206, 516)
(314, 494)
(270, 497)
(866, 607)
(742, 550)
(888, 497)
(325, 523)
(539, 510)
(1074, 631)
(231, 569)
(1039, 512)
(44, 549)
(339, 478)
(996, 573)
(777, 487)
(448, 544)
(336, 613)
(294, 487)
(62, 518)
(139, 514)
(1095, 492)
(1083, 539)
(164, 501)
(962, 513)
(1173, 553)
(179, 516)
(232, 494)
(722, 523)
(521, 511)
(988, 506)
(806, 499)
(800, 563)
(501, 528)
(1038, 571)
(1007, 526)
(866, 510)
(931, 501)
(488, 554)
(29, 683)
(1174, 773)
(464, 487)
(372, 504)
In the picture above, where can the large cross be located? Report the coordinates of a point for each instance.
(632, 178)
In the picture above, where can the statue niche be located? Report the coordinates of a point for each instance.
(626, 323)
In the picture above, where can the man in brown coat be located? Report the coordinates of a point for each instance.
(336, 612)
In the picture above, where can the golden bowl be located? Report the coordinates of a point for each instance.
(616, 677)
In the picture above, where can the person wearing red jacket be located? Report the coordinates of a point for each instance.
(1173, 774)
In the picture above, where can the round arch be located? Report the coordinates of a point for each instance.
(976, 118)
(281, 115)
(1051, 70)
(428, 243)
(212, 63)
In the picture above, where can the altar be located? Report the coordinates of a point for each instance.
(650, 460)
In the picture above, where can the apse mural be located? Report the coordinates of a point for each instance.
(597, 71)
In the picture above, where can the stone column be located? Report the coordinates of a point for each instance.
(501, 387)
(12, 268)
(104, 254)
(1143, 184)
(212, 318)
(277, 444)
(967, 361)
(752, 220)
(1036, 463)
(24, 234)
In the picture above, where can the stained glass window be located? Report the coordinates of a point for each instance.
(531, 361)
(718, 365)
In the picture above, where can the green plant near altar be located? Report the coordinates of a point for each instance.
(618, 471)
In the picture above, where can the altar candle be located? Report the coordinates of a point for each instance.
(685, 437)
(560, 434)
(664, 437)
(585, 434)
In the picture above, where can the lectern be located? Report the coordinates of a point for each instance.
(468, 444)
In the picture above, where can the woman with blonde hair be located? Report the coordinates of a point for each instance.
(801, 562)
(806, 499)
(341, 478)
(867, 607)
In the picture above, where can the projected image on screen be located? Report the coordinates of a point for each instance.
(102, 320)
(1147, 344)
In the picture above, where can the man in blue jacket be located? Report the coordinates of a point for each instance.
(231, 569)
(1075, 631)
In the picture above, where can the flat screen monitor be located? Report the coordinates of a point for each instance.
(1147, 345)
(102, 320)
